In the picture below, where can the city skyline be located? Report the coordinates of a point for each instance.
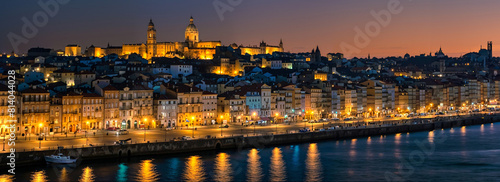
(408, 32)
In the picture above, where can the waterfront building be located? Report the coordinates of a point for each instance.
(34, 111)
(165, 108)
(92, 111)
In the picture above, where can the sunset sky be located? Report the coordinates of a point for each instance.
(458, 26)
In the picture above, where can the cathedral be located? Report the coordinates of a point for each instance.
(190, 48)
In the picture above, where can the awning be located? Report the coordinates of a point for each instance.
(265, 119)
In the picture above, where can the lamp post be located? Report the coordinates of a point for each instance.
(276, 123)
(4, 135)
(192, 118)
(145, 120)
(39, 134)
(221, 117)
(254, 114)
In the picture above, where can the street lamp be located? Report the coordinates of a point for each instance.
(221, 117)
(145, 120)
(192, 118)
(276, 123)
(40, 133)
(4, 136)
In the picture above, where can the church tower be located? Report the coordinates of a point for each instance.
(151, 41)
(317, 55)
(281, 46)
(490, 49)
(192, 35)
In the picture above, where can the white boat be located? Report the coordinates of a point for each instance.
(59, 159)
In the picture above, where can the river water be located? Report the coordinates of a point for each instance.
(469, 153)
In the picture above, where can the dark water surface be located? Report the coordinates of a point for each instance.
(469, 153)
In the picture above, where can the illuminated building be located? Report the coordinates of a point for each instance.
(209, 107)
(34, 110)
(63, 75)
(165, 109)
(263, 48)
(94, 51)
(111, 110)
(72, 50)
(189, 102)
(232, 106)
(72, 112)
(92, 111)
(136, 107)
(4, 106)
(192, 47)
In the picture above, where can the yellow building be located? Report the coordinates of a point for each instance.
(189, 103)
(4, 106)
(264, 48)
(35, 111)
(72, 50)
(192, 47)
(94, 51)
(72, 112)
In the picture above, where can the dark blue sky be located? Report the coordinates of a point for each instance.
(459, 26)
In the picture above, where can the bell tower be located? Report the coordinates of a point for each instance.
(151, 41)
(490, 49)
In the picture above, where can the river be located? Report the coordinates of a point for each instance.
(469, 153)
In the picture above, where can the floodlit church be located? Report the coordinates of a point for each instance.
(191, 48)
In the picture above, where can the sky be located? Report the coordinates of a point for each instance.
(423, 26)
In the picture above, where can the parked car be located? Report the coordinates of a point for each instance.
(224, 126)
(186, 138)
(122, 132)
(347, 119)
(122, 142)
(335, 119)
(303, 130)
(112, 128)
(168, 128)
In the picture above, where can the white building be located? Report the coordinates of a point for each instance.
(209, 107)
(166, 110)
(184, 70)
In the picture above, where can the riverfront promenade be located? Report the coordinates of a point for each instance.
(104, 137)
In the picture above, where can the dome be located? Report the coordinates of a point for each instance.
(191, 27)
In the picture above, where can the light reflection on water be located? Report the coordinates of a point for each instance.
(64, 176)
(87, 175)
(147, 172)
(194, 169)
(313, 164)
(6, 178)
(431, 136)
(122, 173)
(277, 171)
(222, 169)
(364, 159)
(39, 176)
(254, 169)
